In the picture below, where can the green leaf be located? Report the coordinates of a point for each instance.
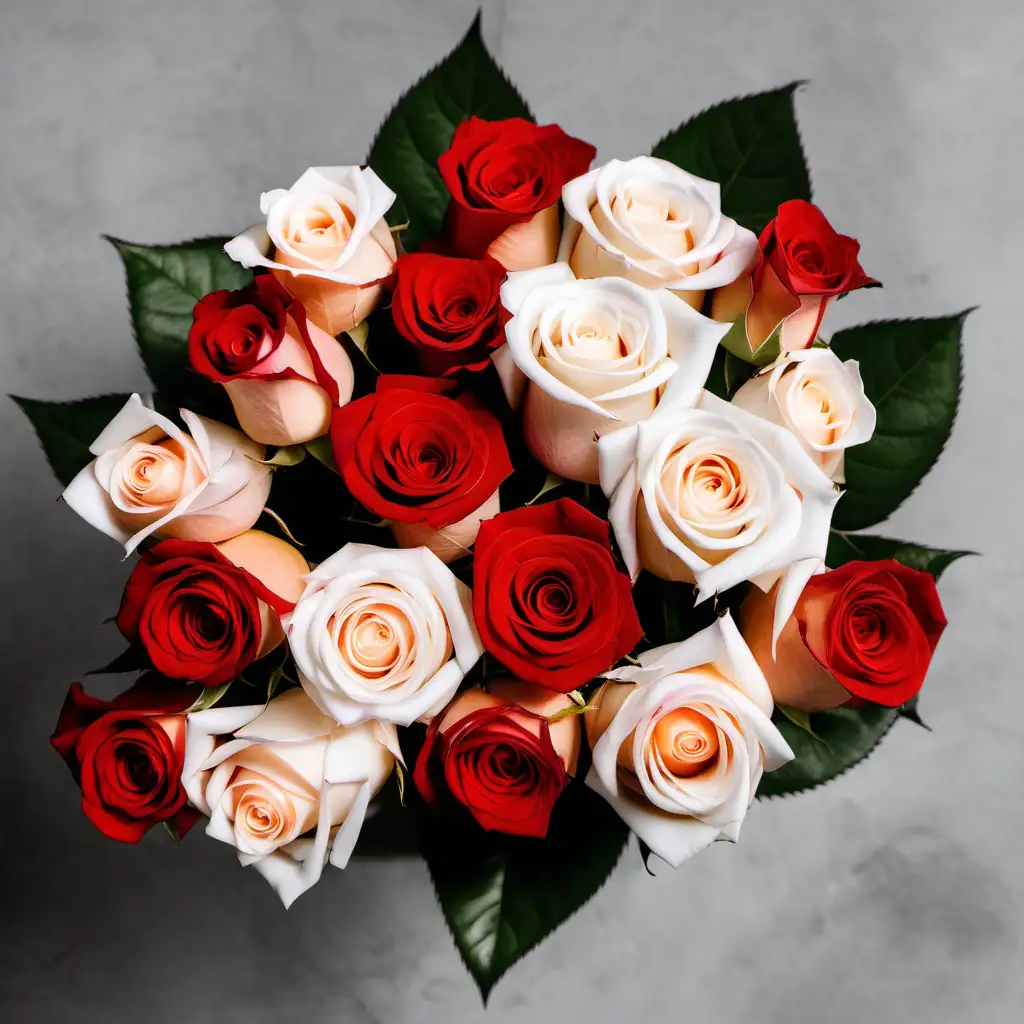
(421, 125)
(728, 373)
(66, 429)
(837, 740)
(322, 450)
(209, 696)
(752, 147)
(860, 547)
(164, 284)
(288, 455)
(501, 895)
(912, 371)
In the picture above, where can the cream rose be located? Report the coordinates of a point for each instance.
(652, 222)
(285, 785)
(817, 397)
(716, 496)
(326, 241)
(382, 634)
(586, 357)
(681, 740)
(151, 477)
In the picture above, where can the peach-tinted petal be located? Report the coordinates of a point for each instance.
(530, 243)
(795, 677)
(450, 542)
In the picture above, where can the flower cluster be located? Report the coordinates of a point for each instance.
(560, 557)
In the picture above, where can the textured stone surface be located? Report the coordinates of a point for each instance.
(894, 895)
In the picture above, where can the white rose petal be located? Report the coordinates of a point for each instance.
(382, 634)
(714, 680)
(151, 477)
(285, 785)
(819, 398)
(586, 356)
(652, 222)
(718, 496)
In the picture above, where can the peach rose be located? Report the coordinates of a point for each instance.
(819, 399)
(284, 785)
(382, 634)
(328, 243)
(681, 740)
(653, 223)
(150, 477)
(587, 357)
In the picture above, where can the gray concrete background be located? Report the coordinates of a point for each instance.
(896, 894)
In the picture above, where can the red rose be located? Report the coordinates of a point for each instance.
(127, 756)
(497, 755)
(235, 335)
(549, 602)
(450, 310)
(803, 265)
(502, 173)
(195, 613)
(807, 253)
(412, 454)
(874, 626)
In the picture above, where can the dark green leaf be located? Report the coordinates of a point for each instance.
(752, 147)
(66, 429)
(501, 895)
(912, 372)
(132, 659)
(164, 284)
(859, 547)
(909, 710)
(840, 739)
(728, 374)
(420, 128)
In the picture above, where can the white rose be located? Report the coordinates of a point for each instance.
(383, 634)
(681, 740)
(652, 222)
(151, 477)
(284, 785)
(818, 397)
(586, 357)
(327, 242)
(716, 496)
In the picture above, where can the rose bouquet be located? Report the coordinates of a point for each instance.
(497, 505)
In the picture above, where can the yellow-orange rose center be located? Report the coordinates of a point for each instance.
(686, 741)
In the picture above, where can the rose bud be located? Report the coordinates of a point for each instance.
(716, 496)
(802, 266)
(680, 741)
(285, 785)
(150, 477)
(198, 616)
(585, 358)
(866, 630)
(819, 399)
(282, 373)
(382, 634)
(497, 752)
(449, 309)
(654, 224)
(548, 599)
(127, 756)
(505, 179)
(327, 242)
(428, 463)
